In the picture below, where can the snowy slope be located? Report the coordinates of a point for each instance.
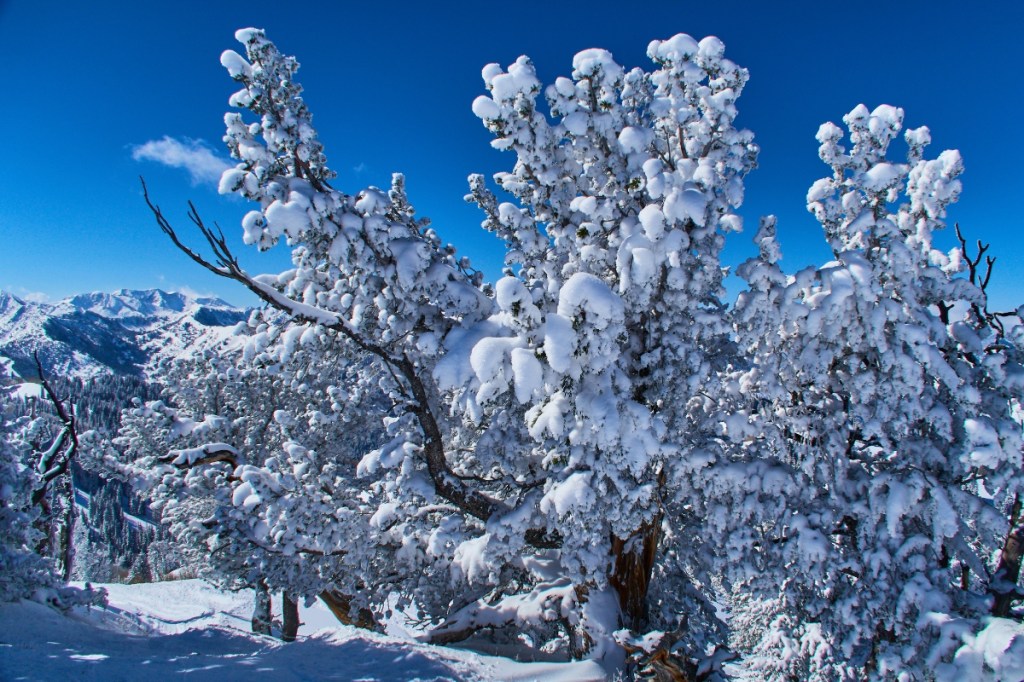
(167, 630)
(123, 332)
(26, 391)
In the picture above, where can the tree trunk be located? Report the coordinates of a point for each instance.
(580, 642)
(42, 523)
(1003, 587)
(341, 606)
(262, 611)
(631, 577)
(289, 618)
(67, 529)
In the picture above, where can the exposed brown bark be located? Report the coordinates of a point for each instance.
(341, 606)
(580, 642)
(631, 577)
(262, 611)
(289, 618)
(1004, 582)
(212, 456)
(660, 664)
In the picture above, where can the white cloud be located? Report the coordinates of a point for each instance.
(194, 293)
(36, 297)
(194, 156)
(27, 294)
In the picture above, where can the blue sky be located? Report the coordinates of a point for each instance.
(390, 86)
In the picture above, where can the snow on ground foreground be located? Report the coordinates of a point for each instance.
(193, 631)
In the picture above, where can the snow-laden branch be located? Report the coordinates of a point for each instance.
(206, 454)
(446, 483)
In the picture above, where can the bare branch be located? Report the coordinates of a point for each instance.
(989, 262)
(981, 280)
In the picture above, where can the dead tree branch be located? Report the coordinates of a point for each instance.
(979, 276)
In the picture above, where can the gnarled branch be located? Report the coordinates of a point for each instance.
(445, 482)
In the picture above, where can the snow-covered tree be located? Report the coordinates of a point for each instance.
(367, 273)
(623, 204)
(22, 570)
(885, 419)
(611, 328)
(249, 458)
(35, 536)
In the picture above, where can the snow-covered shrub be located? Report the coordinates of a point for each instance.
(28, 568)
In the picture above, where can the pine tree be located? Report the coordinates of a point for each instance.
(887, 417)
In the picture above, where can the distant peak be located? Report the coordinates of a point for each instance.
(9, 300)
(174, 297)
(8, 296)
(141, 303)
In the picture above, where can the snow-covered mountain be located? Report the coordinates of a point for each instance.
(124, 332)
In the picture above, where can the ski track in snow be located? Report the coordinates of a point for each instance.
(190, 630)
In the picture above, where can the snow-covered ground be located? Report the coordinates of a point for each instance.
(27, 390)
(190, 630)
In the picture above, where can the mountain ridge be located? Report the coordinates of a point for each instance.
(121, 332)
